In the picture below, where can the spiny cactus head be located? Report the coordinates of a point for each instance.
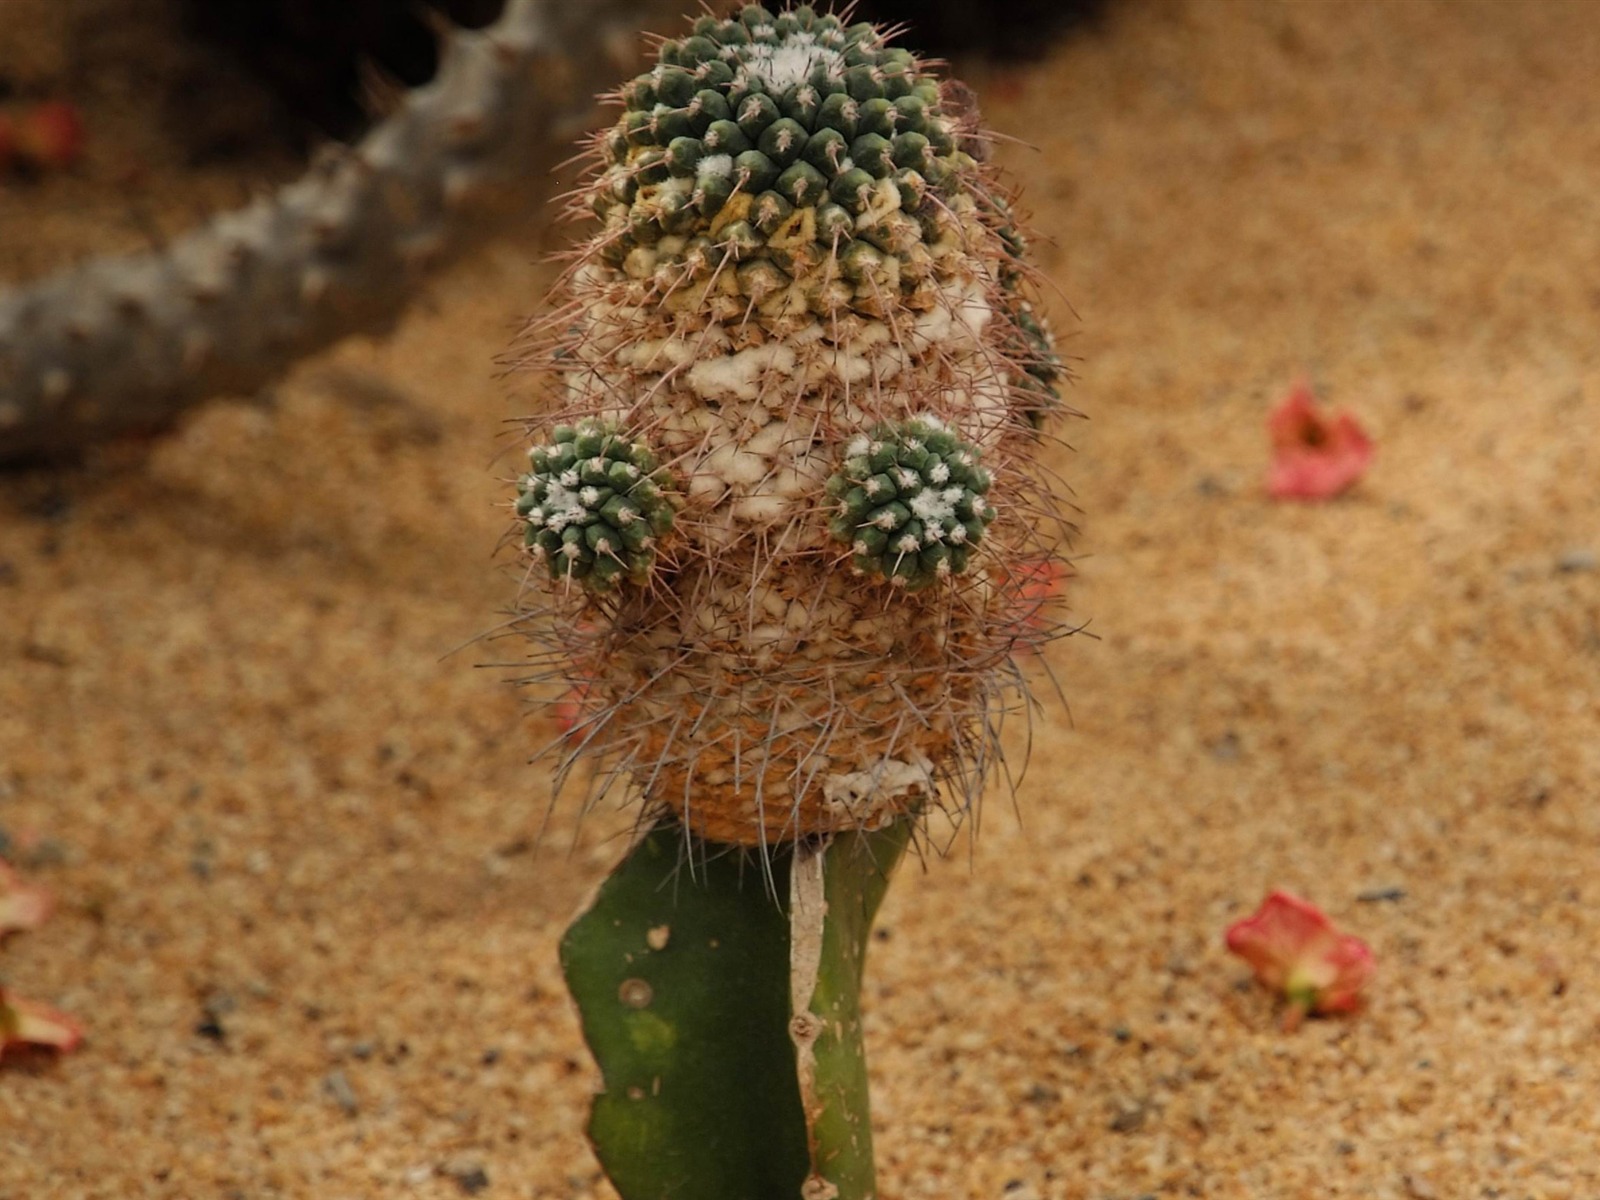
(808, 296)
(911, 503)
(593, 506)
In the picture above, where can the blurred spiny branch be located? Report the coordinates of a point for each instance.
(125, 344)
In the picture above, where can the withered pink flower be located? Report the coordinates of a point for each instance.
(1296, 950)
(1315, 455)
(568, 710)
(22, 905)
(25, 1023)
(1040, 581)
(48, 136)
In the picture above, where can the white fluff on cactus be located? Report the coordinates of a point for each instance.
(796, 386)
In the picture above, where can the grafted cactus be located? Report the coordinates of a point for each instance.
(806, 297)
(802, 269)
(126, 343)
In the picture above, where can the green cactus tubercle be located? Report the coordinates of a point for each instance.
(594, 506)
(911, 503)
(780, 140)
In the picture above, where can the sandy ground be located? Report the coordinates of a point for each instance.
(303, 912)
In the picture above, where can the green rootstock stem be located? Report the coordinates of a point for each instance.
(828, 950)
(721, 998)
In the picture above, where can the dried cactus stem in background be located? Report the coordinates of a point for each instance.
(126, 344)
(807, 301)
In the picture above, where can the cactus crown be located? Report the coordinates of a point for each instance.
(793, 142)
(808, 297)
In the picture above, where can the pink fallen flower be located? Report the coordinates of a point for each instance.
(48, 136)
(24, 1023)
(22, 906)
(1296, 950)
(1315, 455)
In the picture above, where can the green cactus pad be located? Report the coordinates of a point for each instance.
(683, 983)
(910, 503)
(594, 507)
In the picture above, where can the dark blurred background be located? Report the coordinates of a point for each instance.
(319, 60)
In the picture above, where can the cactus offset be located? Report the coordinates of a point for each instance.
(807, 297)
(911, 504)
(593, 507)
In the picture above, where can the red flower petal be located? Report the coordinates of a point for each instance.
(22, 906)
(25, 1023)
(1295, 949)
(1315, 456)
(1033, 583)
(49, 135)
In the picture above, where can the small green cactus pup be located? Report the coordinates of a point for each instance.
(593, 506)
(911, 503)
(807, 302)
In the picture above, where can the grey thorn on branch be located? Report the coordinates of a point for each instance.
(124, 344)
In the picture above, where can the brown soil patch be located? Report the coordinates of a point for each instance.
(303, 915)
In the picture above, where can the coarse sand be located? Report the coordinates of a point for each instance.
(305, 912)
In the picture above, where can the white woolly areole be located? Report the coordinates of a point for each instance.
(714, 166)
(740, 375)
(958, 321)
(862, 793)
(561, 507)
(788, 63)
(935, 504)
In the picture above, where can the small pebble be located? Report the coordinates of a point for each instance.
(1576, 560)
(468, 1174)
(1128, 1120)
(1374, 895)
(1225, 748)
(46, 852)
(338, 1087)
(1041, 1093)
